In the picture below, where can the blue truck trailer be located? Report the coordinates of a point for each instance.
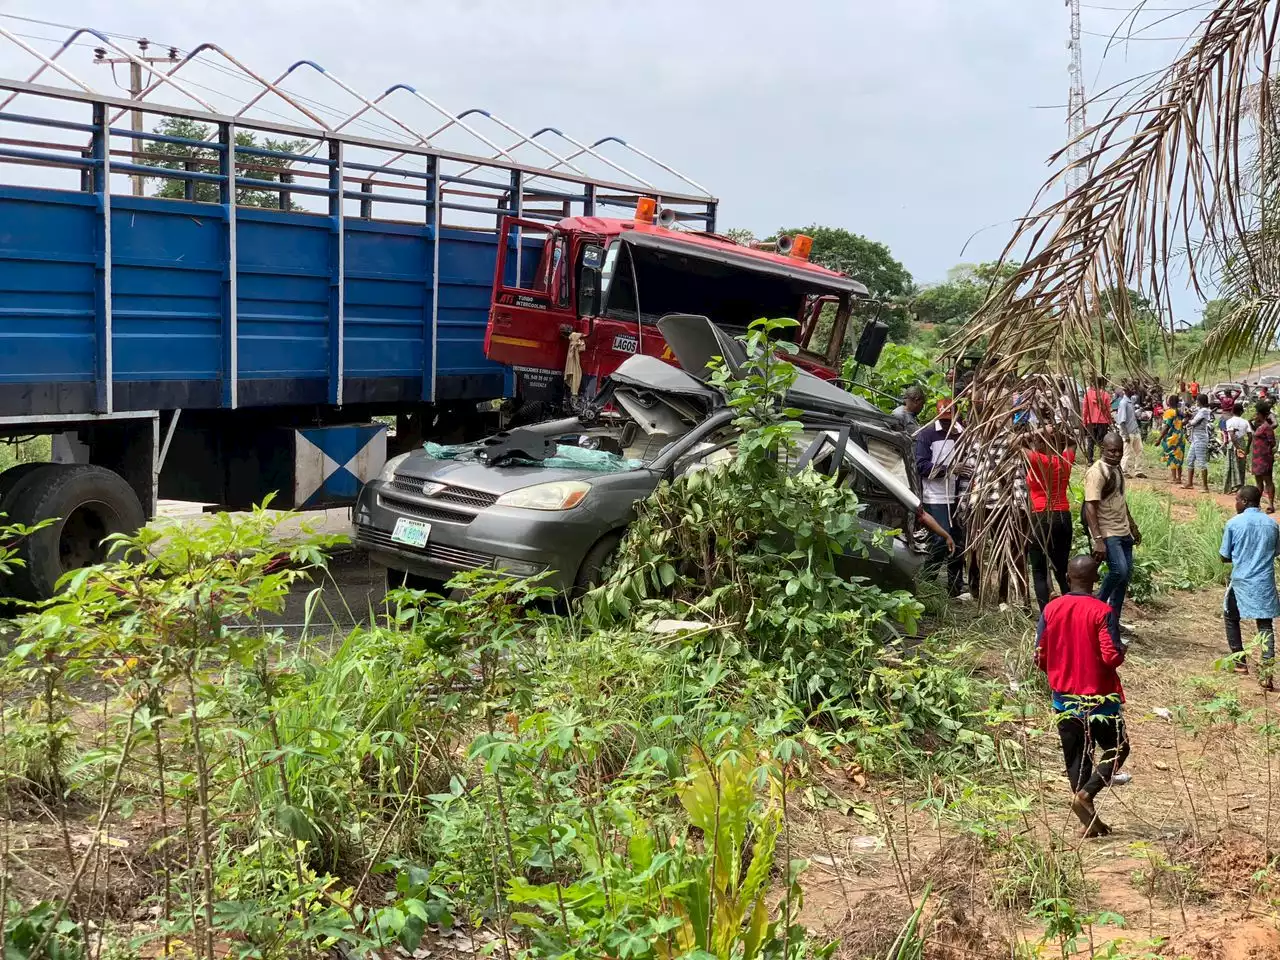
(198, 347)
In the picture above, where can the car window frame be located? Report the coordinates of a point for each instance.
(667, 459)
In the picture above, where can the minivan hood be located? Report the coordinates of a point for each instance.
(478, 476)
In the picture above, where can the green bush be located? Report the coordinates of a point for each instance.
(899, 367)
(753, 548)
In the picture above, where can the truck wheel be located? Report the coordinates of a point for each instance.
(11, 477)
(591, 573)
(88, 504)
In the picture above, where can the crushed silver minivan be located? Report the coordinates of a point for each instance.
(555, 498)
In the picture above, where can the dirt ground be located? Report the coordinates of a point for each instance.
(1202, 807)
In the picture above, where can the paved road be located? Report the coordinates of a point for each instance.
(1268, 368)
(351, 593)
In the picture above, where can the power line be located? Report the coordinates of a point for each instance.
(1143, 8)
(65, 26)
(1126, 37)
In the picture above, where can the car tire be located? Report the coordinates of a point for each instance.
(413, 581)
(591, 573)
(87, 503)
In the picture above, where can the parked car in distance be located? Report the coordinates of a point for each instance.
(555, 498)
(1233, 389)
(1266, 387)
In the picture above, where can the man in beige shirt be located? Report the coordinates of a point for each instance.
(1111, 528)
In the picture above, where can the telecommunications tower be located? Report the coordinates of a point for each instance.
(1075, 103)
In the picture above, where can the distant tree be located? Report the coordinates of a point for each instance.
(740, 235)
(854, 255)
(949, 305)
(868, 262)
(178, 156)
(1213, 313)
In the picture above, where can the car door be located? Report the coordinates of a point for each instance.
(879, 473)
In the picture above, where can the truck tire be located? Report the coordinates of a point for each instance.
(88, 502)
(11, 477)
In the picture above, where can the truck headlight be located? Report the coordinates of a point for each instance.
(557, 495)
(389, 468)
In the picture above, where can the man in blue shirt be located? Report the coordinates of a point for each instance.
(1251, 543)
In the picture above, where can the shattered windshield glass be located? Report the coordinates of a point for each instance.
(567, 457)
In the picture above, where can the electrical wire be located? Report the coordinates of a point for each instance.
(1143, 8)
(378, 130)
(67, 26)
(1125, 38)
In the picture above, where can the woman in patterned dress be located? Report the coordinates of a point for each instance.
(1173, 440)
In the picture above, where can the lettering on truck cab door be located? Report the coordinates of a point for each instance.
(529, 309)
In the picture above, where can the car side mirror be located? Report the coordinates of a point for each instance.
(589, 292)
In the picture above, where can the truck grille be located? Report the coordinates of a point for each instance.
(446, 556)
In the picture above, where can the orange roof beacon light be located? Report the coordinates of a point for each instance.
(800, 246)
(646, 207)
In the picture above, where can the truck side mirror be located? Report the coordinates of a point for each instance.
(871, 343)
(589, 292)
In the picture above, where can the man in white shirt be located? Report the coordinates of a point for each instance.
(1126, 415)
(935, 450)
(1238, 432)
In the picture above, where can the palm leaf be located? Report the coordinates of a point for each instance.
(1175, 192)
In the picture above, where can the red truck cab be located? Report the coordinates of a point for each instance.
(600, 285)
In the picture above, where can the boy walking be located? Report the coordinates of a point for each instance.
(1251, 543)
(1079, 655)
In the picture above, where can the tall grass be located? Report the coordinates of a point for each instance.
(1182, 551)
(1177, 552)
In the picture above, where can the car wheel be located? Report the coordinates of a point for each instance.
(591, 573)
(413, 581)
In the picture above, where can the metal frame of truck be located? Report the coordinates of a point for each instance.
(217, 352)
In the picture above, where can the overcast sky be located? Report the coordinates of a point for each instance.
(914, 122)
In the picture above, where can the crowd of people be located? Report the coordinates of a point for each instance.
(1081, 641)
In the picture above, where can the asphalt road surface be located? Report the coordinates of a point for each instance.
(351, 593)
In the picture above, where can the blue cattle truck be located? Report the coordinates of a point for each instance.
(194, 312)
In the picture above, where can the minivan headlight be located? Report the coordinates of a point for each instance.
(557, 495)
(389, 468)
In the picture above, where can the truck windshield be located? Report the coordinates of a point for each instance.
(675, 283)
(606, 271)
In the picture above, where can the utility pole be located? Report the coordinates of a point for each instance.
(1075, 103)
(135, 91)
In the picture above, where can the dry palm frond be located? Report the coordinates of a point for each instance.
(1171, 184)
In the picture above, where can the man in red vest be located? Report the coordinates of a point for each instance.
(1079, 653)
(1097, 415)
